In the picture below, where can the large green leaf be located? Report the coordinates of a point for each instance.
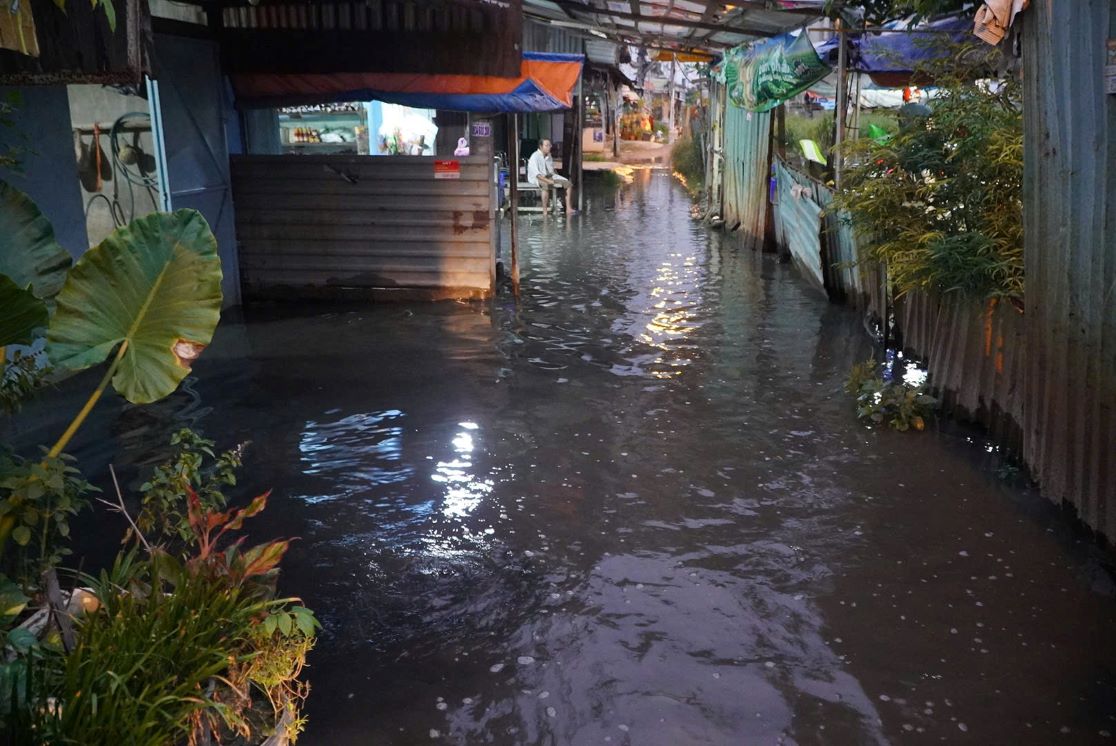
(29, 255)
(12, 602)
(155, 283)
(23, 314)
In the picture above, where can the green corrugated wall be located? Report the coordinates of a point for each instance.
(746, 164)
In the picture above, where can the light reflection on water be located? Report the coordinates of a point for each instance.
(464, 490)
(357, 451)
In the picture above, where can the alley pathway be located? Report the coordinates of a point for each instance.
(637, 508)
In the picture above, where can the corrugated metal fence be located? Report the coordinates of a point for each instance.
(1044, 383)
(975, 358)
(973, 351)
(798, 221)
(747, 158)
(316, 225)
(1070, 248)
(822, 242)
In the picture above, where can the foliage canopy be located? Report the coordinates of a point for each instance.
(941, 201)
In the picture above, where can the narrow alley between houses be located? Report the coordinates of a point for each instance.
(637, 508)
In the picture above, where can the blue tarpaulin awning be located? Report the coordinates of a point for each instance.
(546, 83)
(891, 56)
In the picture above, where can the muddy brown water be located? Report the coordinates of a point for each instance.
(637, 508)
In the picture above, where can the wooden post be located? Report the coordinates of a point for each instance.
(856, 110)
(670, 114)
(513, 201)
(842, 104)
(617, 113)
(781, 129)
(577, 166)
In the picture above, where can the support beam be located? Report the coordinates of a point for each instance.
(842, 104)
(654, 42)
(513, 201)
(573, 6)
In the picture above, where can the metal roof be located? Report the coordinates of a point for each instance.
(676, 24)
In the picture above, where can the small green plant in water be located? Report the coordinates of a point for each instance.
(37, 501)
(163, 516)
(899, 405)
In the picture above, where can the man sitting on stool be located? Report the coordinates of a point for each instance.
(540, 172)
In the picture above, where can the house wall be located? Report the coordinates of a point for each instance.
(48, 172)
(122, 195)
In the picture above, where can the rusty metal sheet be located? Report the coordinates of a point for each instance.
(798, 220)
(975, 354)
(311, 224)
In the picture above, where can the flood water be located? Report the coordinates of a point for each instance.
(637, 508)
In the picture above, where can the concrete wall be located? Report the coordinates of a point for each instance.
(124, 194)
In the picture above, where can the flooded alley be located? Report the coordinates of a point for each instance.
(637, 508)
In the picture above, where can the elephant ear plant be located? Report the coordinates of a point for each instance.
(149, 296)
(143, 303)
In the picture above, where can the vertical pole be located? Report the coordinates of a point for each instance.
(856, 109)
(781, 129)
(155, 108)
(513, 200)
(670, 115)
(842, 104)
(578, 139)
(617, 112)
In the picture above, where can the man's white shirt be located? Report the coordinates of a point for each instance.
(539, 165)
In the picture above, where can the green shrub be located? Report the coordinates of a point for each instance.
(941, 202)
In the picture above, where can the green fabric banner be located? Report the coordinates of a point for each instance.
(761, 78)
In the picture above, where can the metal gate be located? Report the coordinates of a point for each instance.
(188, 108)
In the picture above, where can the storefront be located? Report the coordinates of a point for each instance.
(378, 185)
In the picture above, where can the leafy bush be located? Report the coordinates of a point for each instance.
(941, 201)
(180, 639)
(178, 635)
(818, 128)
(163, 516)
(880, 401)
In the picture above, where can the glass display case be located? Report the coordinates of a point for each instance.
(325, 128)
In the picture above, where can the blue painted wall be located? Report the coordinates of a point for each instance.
(48, 170)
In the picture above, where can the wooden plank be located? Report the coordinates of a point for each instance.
(320, 166)
(319, 218)
(341, 173)
(325, 221)
(364, 263)
(380, 278)
(252, 251)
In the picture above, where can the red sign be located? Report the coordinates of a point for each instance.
(447, 169)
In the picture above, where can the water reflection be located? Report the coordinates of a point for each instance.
(464, 490)
(635, 507)
(357, 452)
